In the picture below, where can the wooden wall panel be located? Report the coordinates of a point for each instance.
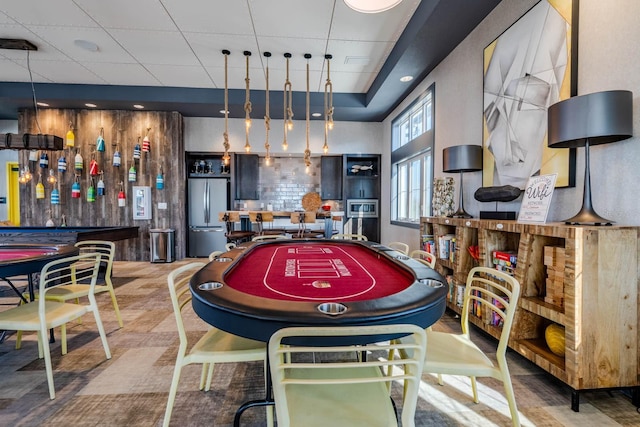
(122, 129)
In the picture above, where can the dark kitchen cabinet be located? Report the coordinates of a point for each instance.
(247, 172)
(331, 177)
(362, 177)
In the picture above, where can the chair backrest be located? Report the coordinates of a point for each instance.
(105, 248)
(399, 247)
(213, 255)
(60, 273)
(287, 360)
(178, 282)
(424, 256)
(270, 237)
(341, 236)
(495, 294)
(230, 246)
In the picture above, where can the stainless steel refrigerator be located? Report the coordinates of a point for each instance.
(207, 197)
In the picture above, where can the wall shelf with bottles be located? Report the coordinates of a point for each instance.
(206, 165)
(583, 278)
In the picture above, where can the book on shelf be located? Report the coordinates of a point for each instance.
(446, 245)
(428, 243)
(496, 319)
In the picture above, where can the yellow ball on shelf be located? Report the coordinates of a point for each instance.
(554, 335)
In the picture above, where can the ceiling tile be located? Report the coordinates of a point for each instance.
(45, 50)
(347, 82)
(62, 72)
(287, 18)
(122, 74)
(377, 53)
(156, 47)
(53, 13)
(211, 16)
(181, 76)
(128, 14)
(208, 48)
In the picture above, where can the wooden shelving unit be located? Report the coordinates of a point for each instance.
(599, 308)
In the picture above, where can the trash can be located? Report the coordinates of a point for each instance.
(162, 245)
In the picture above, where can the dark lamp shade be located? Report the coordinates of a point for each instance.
(600, 117)
(462, 158)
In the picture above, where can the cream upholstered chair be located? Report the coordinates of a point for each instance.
(213, 255)
(215, 346)
(343, 236)
(268, 237)
(76, 289)
(230, 246)
(341, 390)
(44, 314)
(455, 354)
(425, 257)
(399, 247)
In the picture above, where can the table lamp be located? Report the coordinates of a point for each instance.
(593, 119)
(462, 158)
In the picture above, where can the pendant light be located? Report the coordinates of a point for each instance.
(247, 105)
(225, 135)
(267, 119)
(328, 106)
(307, 151)
(288, 109)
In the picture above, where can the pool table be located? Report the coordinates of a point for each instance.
(65, 235)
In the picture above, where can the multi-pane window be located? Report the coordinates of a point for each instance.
(412, 161)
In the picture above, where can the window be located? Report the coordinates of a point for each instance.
(412, 161)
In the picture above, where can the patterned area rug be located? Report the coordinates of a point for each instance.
(131, 389)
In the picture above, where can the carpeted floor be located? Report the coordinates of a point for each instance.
(131, 389)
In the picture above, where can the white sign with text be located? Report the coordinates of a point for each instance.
(537, 198)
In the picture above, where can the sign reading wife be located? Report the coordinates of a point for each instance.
(537, 198)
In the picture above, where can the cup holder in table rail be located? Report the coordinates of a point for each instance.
(223, 259)
(209, 286)
(332, 308)
(402, 257)
(431, 283)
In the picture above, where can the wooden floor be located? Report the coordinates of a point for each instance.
(131, 388)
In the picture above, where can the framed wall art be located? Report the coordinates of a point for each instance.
(529, 67)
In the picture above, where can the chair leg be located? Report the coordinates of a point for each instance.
(18, 340)
(203, 375)
(115, 306)
(474, 388)
(268, 408)
(103, 336)
(172, 392)
(511, 399)
(440, 380)
(209, 376)
(42, 337)
(63, 338)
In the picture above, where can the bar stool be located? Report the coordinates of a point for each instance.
(259, 218)
(234, 236)
(302, 218)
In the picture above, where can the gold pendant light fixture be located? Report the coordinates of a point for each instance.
(307, 151)
(247, 106)
(226, 157)
(328, 106)
(267, 119)
(288, 105)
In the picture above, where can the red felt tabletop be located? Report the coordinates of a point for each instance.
(317, 271)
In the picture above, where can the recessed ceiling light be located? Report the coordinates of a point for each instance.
(86, 45)
(138, 106)
(405, 79)
(316, 114)
(42, 104)
(90, 105)
(371, 6)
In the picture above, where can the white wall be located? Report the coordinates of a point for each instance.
(608, 58)
(205, 134)
(6, 126)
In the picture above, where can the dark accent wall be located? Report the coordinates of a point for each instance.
(126, 129)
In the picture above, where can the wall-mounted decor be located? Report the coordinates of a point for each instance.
(142, 200)
(529, 67)
(442, 204)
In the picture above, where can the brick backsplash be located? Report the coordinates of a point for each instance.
(283, 183)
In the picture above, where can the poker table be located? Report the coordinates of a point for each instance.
(24, 259)
(259, 288)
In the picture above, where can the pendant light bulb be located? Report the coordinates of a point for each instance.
(247, 147)
(247, 104)
(325, 148)
(51, 179)
(285, 145)
(247, 123)
(330, 124)
(289, 124)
